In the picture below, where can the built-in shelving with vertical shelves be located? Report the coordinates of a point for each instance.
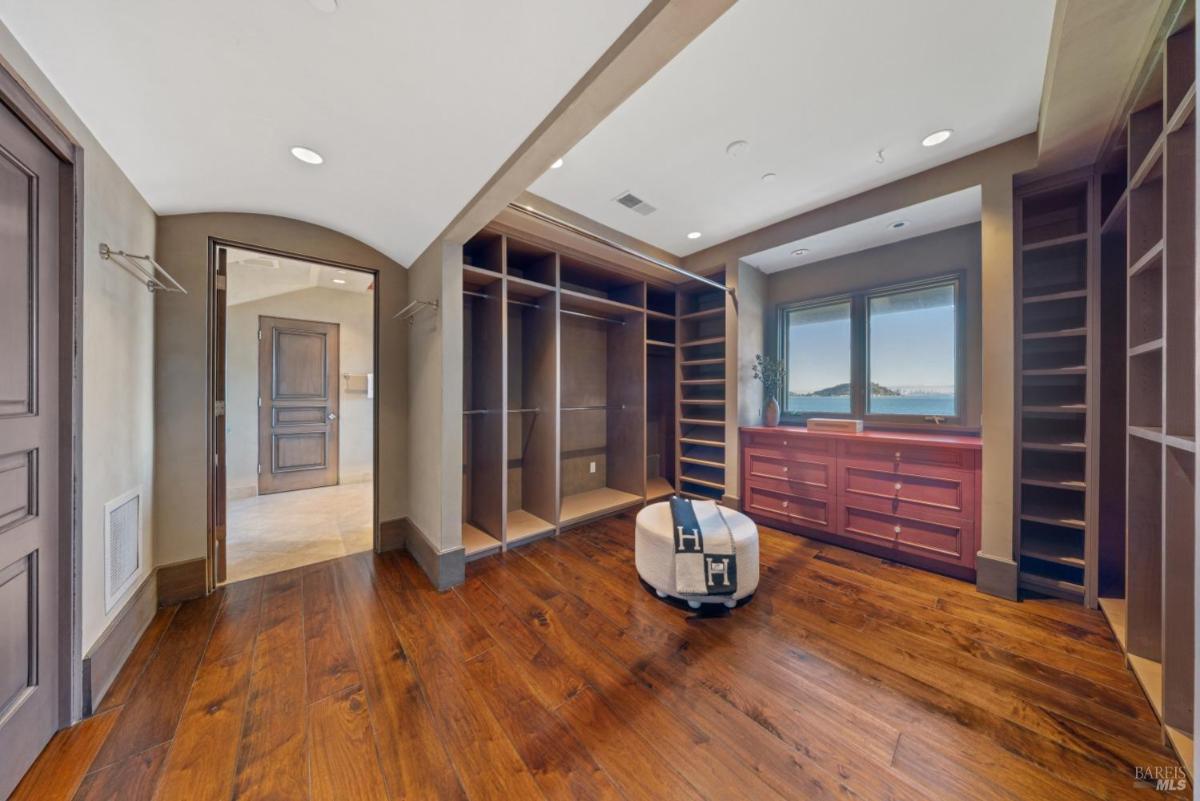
(701, 452)
(1147, 566)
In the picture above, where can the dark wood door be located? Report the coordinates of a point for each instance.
(29, 448)
(298, 404)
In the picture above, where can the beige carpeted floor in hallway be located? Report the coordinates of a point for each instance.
(270, 533)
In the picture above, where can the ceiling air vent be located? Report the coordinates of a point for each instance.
(632, 201)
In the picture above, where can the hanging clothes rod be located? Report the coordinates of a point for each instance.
(591, 316)
(501, 411)
(513, 301)
(134, 264)
(409, 312)
(541, 215)
(591, 408)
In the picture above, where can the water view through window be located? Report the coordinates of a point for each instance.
(818, 359)
(911, 348)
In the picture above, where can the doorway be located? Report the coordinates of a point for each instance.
(295, 481)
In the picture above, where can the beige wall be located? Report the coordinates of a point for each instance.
(180, 358)
(118, 342)
(354, 314)
(929, 256)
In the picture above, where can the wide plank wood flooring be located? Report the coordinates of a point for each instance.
(553, 674)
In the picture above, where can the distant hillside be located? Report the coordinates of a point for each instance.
(842, 390)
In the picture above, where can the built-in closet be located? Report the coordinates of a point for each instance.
(660, 393)
(702, 370)
(1107, 389)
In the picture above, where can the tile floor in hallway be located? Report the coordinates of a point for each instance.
(270, 533)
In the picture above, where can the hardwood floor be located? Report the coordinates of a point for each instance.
(552, 673)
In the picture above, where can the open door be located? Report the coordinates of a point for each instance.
(217, 512)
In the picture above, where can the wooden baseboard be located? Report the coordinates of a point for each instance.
(181, 581)
(996, 576)
(106, 656)
(445, 569)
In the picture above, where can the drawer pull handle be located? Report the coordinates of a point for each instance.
(785, 504)
(897, 456)
(785, 443)
(785, 469)
(896, 529)
(897, 487)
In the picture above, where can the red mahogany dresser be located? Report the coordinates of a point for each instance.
(913, 498)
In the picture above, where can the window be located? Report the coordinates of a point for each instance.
(913, 350)
(888, 354)
(818, 359)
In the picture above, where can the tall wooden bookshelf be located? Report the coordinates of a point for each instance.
(701, 452)
(1148, 212)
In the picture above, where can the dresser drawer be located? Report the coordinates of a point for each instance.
(909, 491)
(939, 538)
(796, 470)
(791, 443)
(814, 512)
(903, 457)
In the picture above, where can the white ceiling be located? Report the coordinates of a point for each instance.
(938, 214)
(816, 88)
(253, 276)
(413, 104)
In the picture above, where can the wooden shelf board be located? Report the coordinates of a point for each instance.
(1180, 442)
(1065, 332)
(1049, 586)
(1051, 296)
(658, 487)
(1187, 105)
(695, 421)
(475, 278)
(1115, 221)
(1149, 675)
(1076, 369)
(711, 443)
(1153, 346)
(1055, 517)
(1052, 243)
(697, 343)
(703, 313)
(705, 462)
(701, 381)
(1152, 433)
(656, 343)
(698, 362)
(594, 503)
(1184, 746)
(701, 401)
(1144, 169)
(704, 482)
(1147, 259)
(477, 542)
(571, 300)
(1047, 445)
(658, 315)
(696, 496)
(528, 288)
(522, 526)
(1114, 610)
(1056, 408)
(1049, 478)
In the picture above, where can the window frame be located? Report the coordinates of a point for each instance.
(860, 354)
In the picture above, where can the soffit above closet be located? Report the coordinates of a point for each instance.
(937, 214)
(413, 105)
(816, 90)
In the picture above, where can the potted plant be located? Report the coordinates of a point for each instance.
(770, 372)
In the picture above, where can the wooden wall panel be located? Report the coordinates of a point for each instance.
(626, 430)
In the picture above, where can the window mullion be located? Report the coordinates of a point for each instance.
(858, 357)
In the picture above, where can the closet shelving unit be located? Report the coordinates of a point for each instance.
(569, 390)
(1146, 568)
(700, 334)
(1057, 374)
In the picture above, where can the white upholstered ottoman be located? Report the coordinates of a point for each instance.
(654, 554)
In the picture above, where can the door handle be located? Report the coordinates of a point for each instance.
(332, 416)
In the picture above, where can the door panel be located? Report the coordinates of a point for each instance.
(219, 484)
(29, 448)
(298, 393)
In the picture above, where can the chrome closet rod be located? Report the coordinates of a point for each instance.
(591, 316)
(617, 245)
(490, 297)
(501, 411)
(591, 408)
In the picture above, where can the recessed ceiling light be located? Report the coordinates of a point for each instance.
(898, 224)
(307, 156)
(327, 6)
(800, 252)
(768, 177)
(694, 235)
(557, 163)
(737, 147)
(937, 137)
(339, 280)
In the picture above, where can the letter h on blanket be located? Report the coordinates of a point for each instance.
(705, 562)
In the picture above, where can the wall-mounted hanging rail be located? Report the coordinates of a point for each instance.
(597, 408)
(150, 276)
(541, 215)
(591, 316)
(409, 312)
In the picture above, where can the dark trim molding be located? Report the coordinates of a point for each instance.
(996, 575)
(113, 647)
(182, 581)
(444, 569)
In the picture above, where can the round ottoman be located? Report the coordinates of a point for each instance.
(654, 554)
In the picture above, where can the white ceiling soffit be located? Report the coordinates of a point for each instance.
(414, 105)
(931, 216)
(254, 276)
(816, 89)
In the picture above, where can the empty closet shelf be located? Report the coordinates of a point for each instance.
(600, 407)
(595, 503)
(702, 401)
(476, 542)
(712, 443)
(1049, 548)
(695, 421)
(657, 488)
(523, 526)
